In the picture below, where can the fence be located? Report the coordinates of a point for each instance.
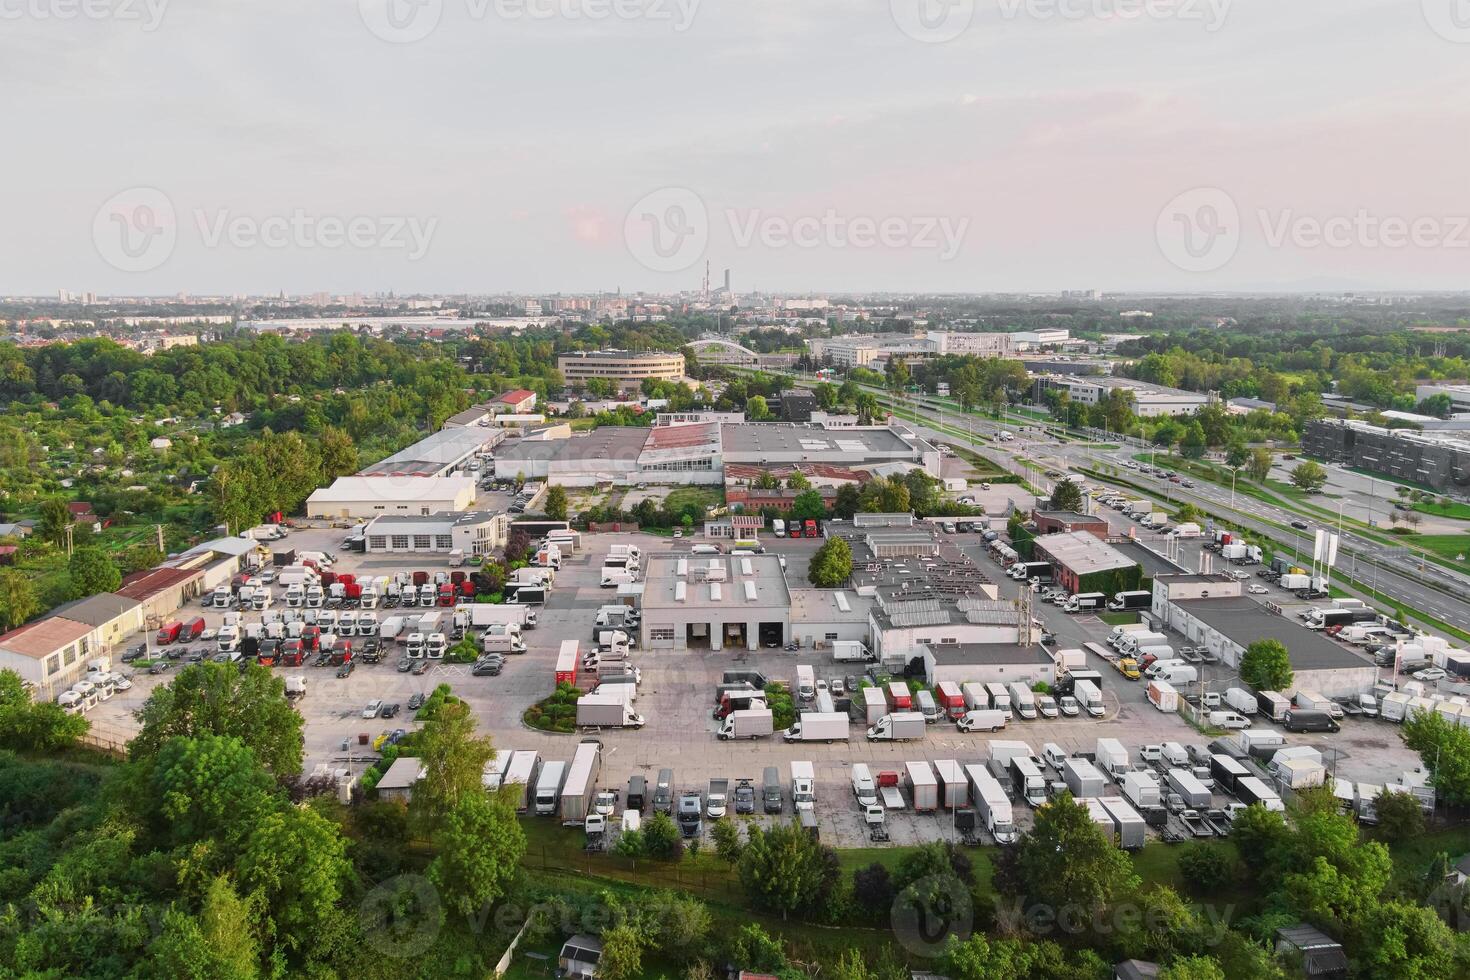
(613, 527)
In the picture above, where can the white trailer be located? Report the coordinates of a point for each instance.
(1002, 750)
(992, 804)
(581, 784)
(482, 614)
(923, 786)
(1194, 793)
(521, 773)
(1141, 789)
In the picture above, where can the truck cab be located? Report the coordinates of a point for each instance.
(690, 813)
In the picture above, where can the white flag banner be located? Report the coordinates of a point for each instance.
(1332, 551)
(1317, 548)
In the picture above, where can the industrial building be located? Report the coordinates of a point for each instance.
(715, 602)
(1062, 521)
(976, 344)
(1000, 663)
(1080, 561)
(52, 652)
(797, 405)
(625, 369)
(371, 496)
(1440, 460)
(820, 617)
(604, 455)
(474, 533)
(1211, 612)
(439, 454)
(1149, 400)
(775, 443)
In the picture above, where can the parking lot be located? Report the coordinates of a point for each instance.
(676, 698)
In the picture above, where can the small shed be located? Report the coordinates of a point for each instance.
(1320, 955)
(398, 782)
(579, 956)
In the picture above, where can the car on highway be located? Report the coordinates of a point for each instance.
(1300, 525)
(1430, 674)
(1257, 589)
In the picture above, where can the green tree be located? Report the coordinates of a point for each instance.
(479, 846)
(54, 520)
(798, 481)
(1401, 940)
(1206, 869)
(1399, 816)
(661, 837)
(1067, 861)
(1266, 666)
(728, 845)
(295, 865)
(27, 725)
(1193, 445)
(18, 599)
(454, 758)
(217, 943)
(847, 502)
(831, 565)
(556, 503)
(622, 953)
(1067, 495)
(631, 845)
(868, 410)
(756, 409)
(767, 481)
(783, 869)
(1259, 465)
(1444, 748)
(91, 571)
(600, 388)
(1192, 968)
(808, 506)
(1237, 455)
(337, 452)
(218, 699)
(1308, 477)
(209, 788)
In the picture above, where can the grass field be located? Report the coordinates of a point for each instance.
(1447, 546)
(1118, 618)
(686, 496)
(1455, 511)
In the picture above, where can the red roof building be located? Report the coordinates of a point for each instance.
(517, 402)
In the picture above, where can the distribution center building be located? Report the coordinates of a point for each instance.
(715, 602)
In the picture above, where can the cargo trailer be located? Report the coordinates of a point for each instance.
(1129, 829)
(991, 804)
(581, 784)
(1082, 778)
(923, 786)
(1183, 782)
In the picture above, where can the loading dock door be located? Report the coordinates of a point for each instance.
(772, 634)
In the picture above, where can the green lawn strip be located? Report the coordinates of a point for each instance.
(1454, 511)
(681, 497)
(1118, 618)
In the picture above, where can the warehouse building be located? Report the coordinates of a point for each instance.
(439, 454)
(1440, 460)
(163, 590)
(474, 533)
(715, 603)
(1063, 521)
(985, 663)
(909, 614)
(821, 617)
(604, 455)
(1149, 400)
(371, 496)
(1082, 563)
(53, 651)
(776, 443)
(625, 369)
(1227, 624)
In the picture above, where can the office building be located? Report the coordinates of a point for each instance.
(625, 369)
(1149, 400)
(715, 602)
(1440, 460)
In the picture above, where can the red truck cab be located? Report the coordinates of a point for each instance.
(811, 529)
(169, 632)
(446, 595)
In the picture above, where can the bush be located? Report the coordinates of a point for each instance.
(557, 713)
(1205, 869)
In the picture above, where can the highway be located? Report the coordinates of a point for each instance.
(1431, 590)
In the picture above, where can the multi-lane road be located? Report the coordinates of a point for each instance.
(1429, 589)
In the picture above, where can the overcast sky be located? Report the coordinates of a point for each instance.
(809, 145)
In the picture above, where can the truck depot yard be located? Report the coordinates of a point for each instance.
(657, 708)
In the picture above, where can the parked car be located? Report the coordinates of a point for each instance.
(1430, 674)
(391, 710)
(1255, 589)
(159, 667)
(415, 702)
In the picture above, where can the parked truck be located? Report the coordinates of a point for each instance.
(1089, 697)
(951, 699)
(1183, 782)
(816, 726)
(1112, 757)
(1123, 601)
(923, 786)
(803, 787)
(503, 639)
(992, 804)
(1162, 695)
(1253, 790)
(1023, 700)
(999, 697)
(1141, 788)
(548, 788)
(898, 726)
(806, 682)
(1029, 781)
(520, 772)
(746, 723)
(606, 710)
(851, 651)
(581, 784)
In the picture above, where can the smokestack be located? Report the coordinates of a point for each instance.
(727, 280)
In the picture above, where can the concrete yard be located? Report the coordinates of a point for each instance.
(676, 698)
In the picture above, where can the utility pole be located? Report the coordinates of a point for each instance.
(69, 528)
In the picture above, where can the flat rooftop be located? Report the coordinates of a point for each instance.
(900, 609)
(692, 583)
(351, 489)
(1153, 563)
(829, 606)
(1082, 552)
(44, 637)
(623, 442)
(434, 452)
(987, 654)
(1245, 621)
(766, 438)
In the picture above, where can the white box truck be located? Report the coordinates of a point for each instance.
(1000, 698)
(898, 726)
(1089, 697)
(923, 786)
(1112, 757)
(1141, 789)
(581, 784)
(806, 682)
(1002, 750)
(1023, 700)
(991, 804)
(746, 723)
(606, 710)
(1242, 700)
(816, 726)
(548, 788)
(954, 788)
(851, 651)
(1030, 783)
(803, 786)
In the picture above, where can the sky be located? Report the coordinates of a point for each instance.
(538, 146)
